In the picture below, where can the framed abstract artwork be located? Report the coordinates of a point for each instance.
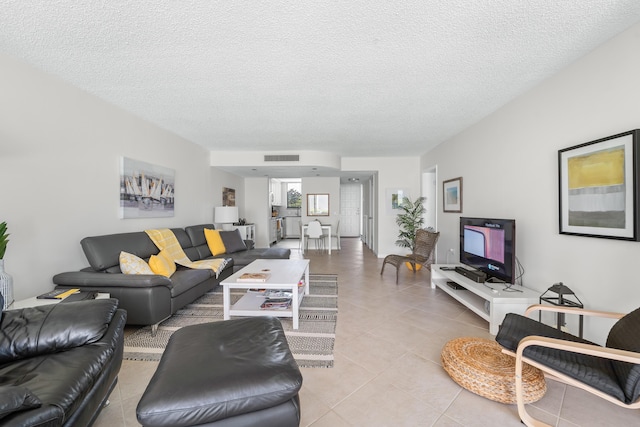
(394, 198)
(598, 188)
(146, 190)
(452, 195)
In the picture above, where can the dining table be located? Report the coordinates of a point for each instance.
(326, 227)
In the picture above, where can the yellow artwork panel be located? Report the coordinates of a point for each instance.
(602, 168)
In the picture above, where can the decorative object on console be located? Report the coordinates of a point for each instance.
(562, 299)
(452, 195)
(598, 191)
(226, 215)
(146, 190)
(6, 281)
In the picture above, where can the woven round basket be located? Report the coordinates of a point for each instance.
(479, 365)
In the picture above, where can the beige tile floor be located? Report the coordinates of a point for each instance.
(387, 360)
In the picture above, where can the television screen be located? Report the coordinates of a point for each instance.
(489, 245)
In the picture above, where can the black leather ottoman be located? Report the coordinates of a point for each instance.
(232, 373)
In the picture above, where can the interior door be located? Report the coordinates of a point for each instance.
(350, 210)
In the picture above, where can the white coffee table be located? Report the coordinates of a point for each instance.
(285, 274)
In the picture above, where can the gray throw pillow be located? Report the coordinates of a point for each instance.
(233, 241)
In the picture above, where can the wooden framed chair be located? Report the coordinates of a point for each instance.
(423, 249)
(611, 372)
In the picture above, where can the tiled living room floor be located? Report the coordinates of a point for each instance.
(387, 360)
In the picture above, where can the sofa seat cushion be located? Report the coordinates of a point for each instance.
(243, 258)
(15, 399)
(219, 370)
(186, 278)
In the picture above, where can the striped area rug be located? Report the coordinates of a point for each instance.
(311, 344)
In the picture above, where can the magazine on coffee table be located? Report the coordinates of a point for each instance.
(277, 293)
(276, 304)
(253, 277)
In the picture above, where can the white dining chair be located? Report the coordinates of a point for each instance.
(335, 234)
(314, 232)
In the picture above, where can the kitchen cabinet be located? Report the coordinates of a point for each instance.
(292, 227)
(275, 189)
(273, 231)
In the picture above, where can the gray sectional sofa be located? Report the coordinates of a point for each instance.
(59, 362)
(149, 299)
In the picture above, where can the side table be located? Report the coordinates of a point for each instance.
(34, 302)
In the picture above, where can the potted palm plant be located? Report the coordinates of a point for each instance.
(6, 281)
(410, 220)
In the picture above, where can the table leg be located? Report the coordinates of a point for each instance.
(306, 280)
(226, 301)
(296, 306)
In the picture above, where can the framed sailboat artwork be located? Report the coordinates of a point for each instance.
(146, 190)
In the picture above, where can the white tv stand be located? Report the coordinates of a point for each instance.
(476, 295)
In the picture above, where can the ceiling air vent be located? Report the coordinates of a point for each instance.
(282, 158)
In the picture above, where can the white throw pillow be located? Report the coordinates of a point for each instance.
(131, 264)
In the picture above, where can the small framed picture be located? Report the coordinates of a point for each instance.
(452, 195)
(317, 205)
(598, 188)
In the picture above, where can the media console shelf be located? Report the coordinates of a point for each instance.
(476, 295)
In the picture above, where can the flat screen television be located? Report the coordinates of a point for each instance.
(489, 245)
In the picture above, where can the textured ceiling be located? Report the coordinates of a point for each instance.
(357, 78)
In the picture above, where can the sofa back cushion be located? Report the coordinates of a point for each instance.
(232, 241)
(103, 252)
(53, 328)
(199, 241)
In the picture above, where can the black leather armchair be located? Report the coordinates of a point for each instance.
(59, 362)
(611, 372)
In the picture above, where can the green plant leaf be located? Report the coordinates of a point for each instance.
(3, 239)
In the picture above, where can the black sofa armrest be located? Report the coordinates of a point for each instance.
(52, 328)
(81, 279)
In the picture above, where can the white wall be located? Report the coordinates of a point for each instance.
(393, 173)
(510, 170)
(60, 151)
(257, 208)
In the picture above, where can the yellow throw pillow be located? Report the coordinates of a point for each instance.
(162, 264)
(131, 264)
(214, 241)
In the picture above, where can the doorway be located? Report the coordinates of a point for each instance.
(430, 191)
(350, 210)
